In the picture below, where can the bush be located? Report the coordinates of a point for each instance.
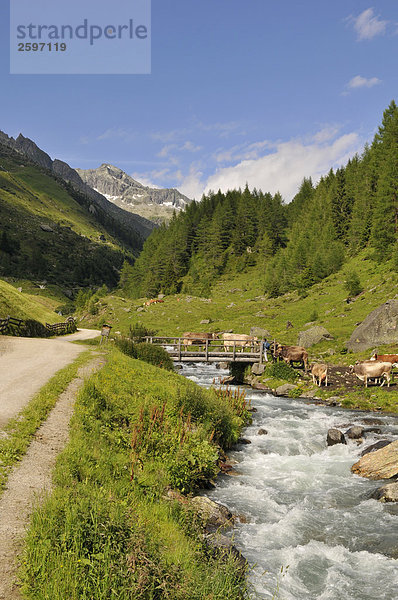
(353, 284)
(155, 355)
(138, 332)
(281, 370)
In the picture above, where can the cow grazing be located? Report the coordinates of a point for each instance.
(240, 340)
(372, 369)
(391, 358)
(319, 373)
(153, 301)
(190, 338)
(291, 354)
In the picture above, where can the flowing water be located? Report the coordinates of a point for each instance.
(312, 530)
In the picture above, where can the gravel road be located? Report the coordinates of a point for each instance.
(26, 364)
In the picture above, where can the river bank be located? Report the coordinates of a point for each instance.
(304, 511)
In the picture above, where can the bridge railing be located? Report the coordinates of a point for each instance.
(210, 348)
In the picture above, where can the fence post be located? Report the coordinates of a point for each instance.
(179, 349)
(207, 350)
(261, 351)
(233, 357)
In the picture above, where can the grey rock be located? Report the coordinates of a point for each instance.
(284, 389)
(379, 327)
(140, 309)
(222, 365)
(376, 446)
(313, 336)
(355, 432)
(212, 513)
(387, 493)
(205, 321)
(335, 436)
(380, 464)
(258, 369)
(262, 431)
(260, 332)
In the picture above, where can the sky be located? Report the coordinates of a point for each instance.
(264, 92)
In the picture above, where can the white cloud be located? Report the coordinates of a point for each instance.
(360, 82)
(368, 26)
(284, 168)
(117, 133)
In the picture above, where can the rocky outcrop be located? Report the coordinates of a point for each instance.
(379, 327)
(283, 390)
(376, 446)
(129, 194)
(214, 515)
(335, 436)
(387, 493)
(381, 464)
(313, 335)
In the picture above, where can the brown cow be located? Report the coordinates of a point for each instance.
(372, 369)
(190, 338)
(319, 373)
(391, 358)
(291, 354)
(240, 340)
(153, 301)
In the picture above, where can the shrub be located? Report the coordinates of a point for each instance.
(138, 332)
(353, 284)
(281, 370)
(155, 355)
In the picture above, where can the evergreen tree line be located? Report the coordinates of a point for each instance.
(293, 246)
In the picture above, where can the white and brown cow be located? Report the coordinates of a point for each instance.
(319, 374)
(372, 369)
(239, 340)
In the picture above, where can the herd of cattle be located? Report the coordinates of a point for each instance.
(378, 368)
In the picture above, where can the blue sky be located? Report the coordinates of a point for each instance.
(262, 91)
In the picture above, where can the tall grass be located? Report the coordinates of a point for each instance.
(108, 530)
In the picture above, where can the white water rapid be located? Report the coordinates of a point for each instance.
(306, 513)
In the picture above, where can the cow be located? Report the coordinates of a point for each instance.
(391, 358)
(153, 301)
(239, 340)
(291, 354)
(319, 373)
(372, 369)
(189, 338)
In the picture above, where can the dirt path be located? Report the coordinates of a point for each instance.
(26, 364)
(31, 479)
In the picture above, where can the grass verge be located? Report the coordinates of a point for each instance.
(20, 430)
(109, 530)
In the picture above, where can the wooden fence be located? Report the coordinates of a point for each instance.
(19, 327)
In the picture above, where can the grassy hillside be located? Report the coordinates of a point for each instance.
(26, 306)
(239, 303)
(48, 232)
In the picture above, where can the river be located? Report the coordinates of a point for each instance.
(312, 530)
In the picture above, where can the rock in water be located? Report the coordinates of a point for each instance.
(376, 446)
(387, 493)
(335, 436)
(381, 464)
(212, 513)
(355, 432)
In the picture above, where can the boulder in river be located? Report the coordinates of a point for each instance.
(335, 436)
(380, 464)
(387, 493)
(262, 431)
(355, 432)
(258, 369)
(376, 446)
(379, 327)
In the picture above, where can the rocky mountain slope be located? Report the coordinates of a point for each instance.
(155, 204)
(97, 202)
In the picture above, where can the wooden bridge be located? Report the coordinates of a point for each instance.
(208, 351)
